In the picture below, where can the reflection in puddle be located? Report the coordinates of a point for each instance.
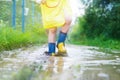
(55, 65)
(82, 63)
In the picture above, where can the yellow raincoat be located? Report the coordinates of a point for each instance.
(53, 13)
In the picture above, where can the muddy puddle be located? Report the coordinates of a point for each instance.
(82, 63)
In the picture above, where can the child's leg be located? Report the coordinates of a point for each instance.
(66, 26)
(63, 34)
(51, 40)
(52, 35)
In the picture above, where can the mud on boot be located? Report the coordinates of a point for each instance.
(49, 54)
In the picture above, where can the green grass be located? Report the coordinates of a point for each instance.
(104, 44)
(11, 39)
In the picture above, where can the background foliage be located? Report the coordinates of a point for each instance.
(101, 19)
(11, 39)
(15, 38)
(100, 25)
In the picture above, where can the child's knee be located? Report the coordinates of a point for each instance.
(52, 30)
(68, 21)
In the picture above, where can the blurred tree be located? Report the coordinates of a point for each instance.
(102, 18)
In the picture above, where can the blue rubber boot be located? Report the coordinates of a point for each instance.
(51, 49)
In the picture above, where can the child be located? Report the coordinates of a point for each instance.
(56, 13)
